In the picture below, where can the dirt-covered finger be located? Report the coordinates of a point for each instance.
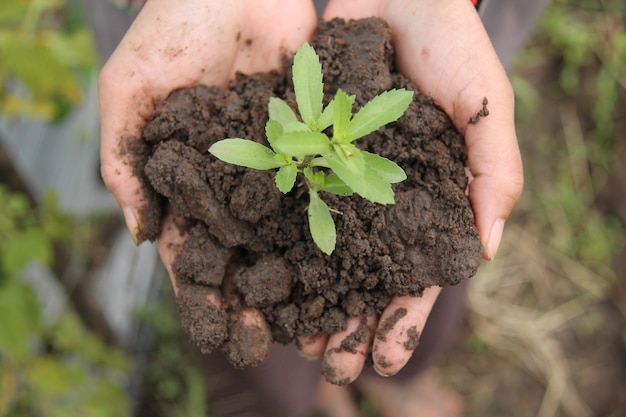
(249, 339)
(313, 346)
(399, 329)
(202, 316)
(347, 350)
(170, 242)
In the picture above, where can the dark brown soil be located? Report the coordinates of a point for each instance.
(252, 243)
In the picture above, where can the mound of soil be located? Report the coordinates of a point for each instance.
(249, 245)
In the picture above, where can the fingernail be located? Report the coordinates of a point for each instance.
(381, 373)
(495, 236)
(131, 223)
(307, 357)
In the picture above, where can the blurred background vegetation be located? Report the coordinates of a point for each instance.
(546, 333)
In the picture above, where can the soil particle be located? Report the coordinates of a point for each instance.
(249, 340)
(202, 260)
(413, 338)
(267, 282)
(356, 338)
(381, 361)
(481, 113)
(389, 323)
(253, 244)
(205, 322)
(333, 320)
(313, 309)
(330, 373)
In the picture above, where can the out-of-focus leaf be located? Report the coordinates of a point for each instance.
(24, 247)
(19, 311)
(25, 61)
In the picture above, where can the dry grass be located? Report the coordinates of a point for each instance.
(546, 331)
(520, 303)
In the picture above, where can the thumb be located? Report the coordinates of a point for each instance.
(123, 153)
(496, 167)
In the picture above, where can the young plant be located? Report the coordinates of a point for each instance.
(301, 146)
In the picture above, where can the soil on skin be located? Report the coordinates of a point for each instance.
(252, 243)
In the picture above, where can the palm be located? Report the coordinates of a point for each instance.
(178, 44)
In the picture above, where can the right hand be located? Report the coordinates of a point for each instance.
(176, 44)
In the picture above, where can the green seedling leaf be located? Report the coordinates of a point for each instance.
(334, 185)
(369, 185)
(326, 119)
(351, 156)
(273, 130)
(280, 111)
(388, 170)
(286, 178)
(342, 112)
(307, 84)
(301, 144)
(321, 224)
(319, 162)
(381, 110)
(245, 153)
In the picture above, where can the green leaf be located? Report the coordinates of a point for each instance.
(245, 153)
(382, 109)
(369, 185)
(333, 184)
(280, 111)
(316, 179)
(319, 162)
(301, 144)
(20, 312)
(273, 130)
(326, 119)
(307, 83)
(321, 224)
(388, 170)
(351, 156)
(27, 246)
(286, 178)
(341, 117)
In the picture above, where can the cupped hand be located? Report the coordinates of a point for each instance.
(443, 48)
(176, 44)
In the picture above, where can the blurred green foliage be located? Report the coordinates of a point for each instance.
(173, 386)
(48, 368)
(45, 52)
(570, 84)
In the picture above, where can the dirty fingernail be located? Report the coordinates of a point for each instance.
(381, 365)
(495, 236)
(307, 357)
(131, 223)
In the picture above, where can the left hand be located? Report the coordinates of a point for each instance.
(443, 48)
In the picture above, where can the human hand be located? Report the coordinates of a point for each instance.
(176, 44)
(444, 49)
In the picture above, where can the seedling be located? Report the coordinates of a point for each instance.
(301, 146)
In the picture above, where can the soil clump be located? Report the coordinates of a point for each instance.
(248, 245)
